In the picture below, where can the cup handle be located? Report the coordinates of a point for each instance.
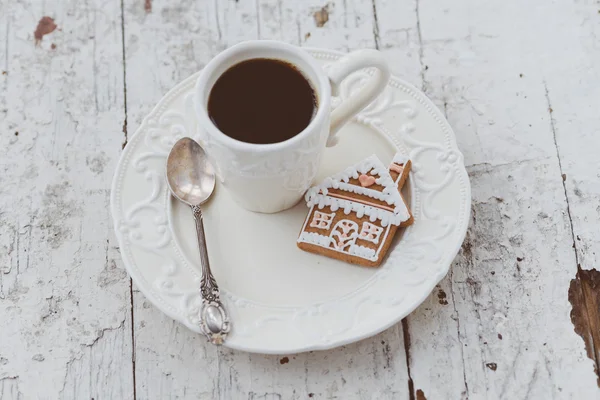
(340, 70)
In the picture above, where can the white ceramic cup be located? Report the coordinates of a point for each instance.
(273, 177)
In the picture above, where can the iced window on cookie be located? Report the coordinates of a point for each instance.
(370, 232)
(321, 220)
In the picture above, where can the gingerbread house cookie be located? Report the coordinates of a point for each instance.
(354, 215)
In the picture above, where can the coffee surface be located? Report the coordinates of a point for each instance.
(262, 101)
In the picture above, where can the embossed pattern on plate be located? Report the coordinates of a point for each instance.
(157, 261)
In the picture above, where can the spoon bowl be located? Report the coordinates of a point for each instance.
(190, 174)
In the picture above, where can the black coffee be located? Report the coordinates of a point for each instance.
(262, 101)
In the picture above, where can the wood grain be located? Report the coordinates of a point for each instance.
(64, 296)
(516, 81)
(501, 294)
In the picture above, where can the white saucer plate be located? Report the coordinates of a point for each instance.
(281, 299)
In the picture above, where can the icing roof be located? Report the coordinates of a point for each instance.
(389, 194)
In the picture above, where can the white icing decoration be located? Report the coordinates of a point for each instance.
(390, 195)
(322, 220)
(375, 194)
(395, 217)
(315, 238)
(400, 158)
(363, 252)
(370, 232)
(325, 241)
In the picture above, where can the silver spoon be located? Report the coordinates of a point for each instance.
(191, 179)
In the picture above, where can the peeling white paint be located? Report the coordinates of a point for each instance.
(494, 68)
(64, 300)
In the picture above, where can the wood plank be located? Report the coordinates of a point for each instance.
(488, 68)
(177, 363)
(576, 133)
(509, 333)
(64, 297)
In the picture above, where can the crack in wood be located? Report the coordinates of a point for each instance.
(6, 48)
(584, 290)
(553, 128)
(67, 369)
(466, 249)
(132, 339)
(217, 23)
(406, 337)
(102, 331)
(124, 74)
(257, 8)
(9, 385)
(375, 26)
(148, 8)
(421, 52)
(531, 382)
(512, 367)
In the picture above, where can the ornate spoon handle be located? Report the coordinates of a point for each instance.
(214, 319)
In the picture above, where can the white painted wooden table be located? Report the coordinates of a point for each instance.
(518, 81)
